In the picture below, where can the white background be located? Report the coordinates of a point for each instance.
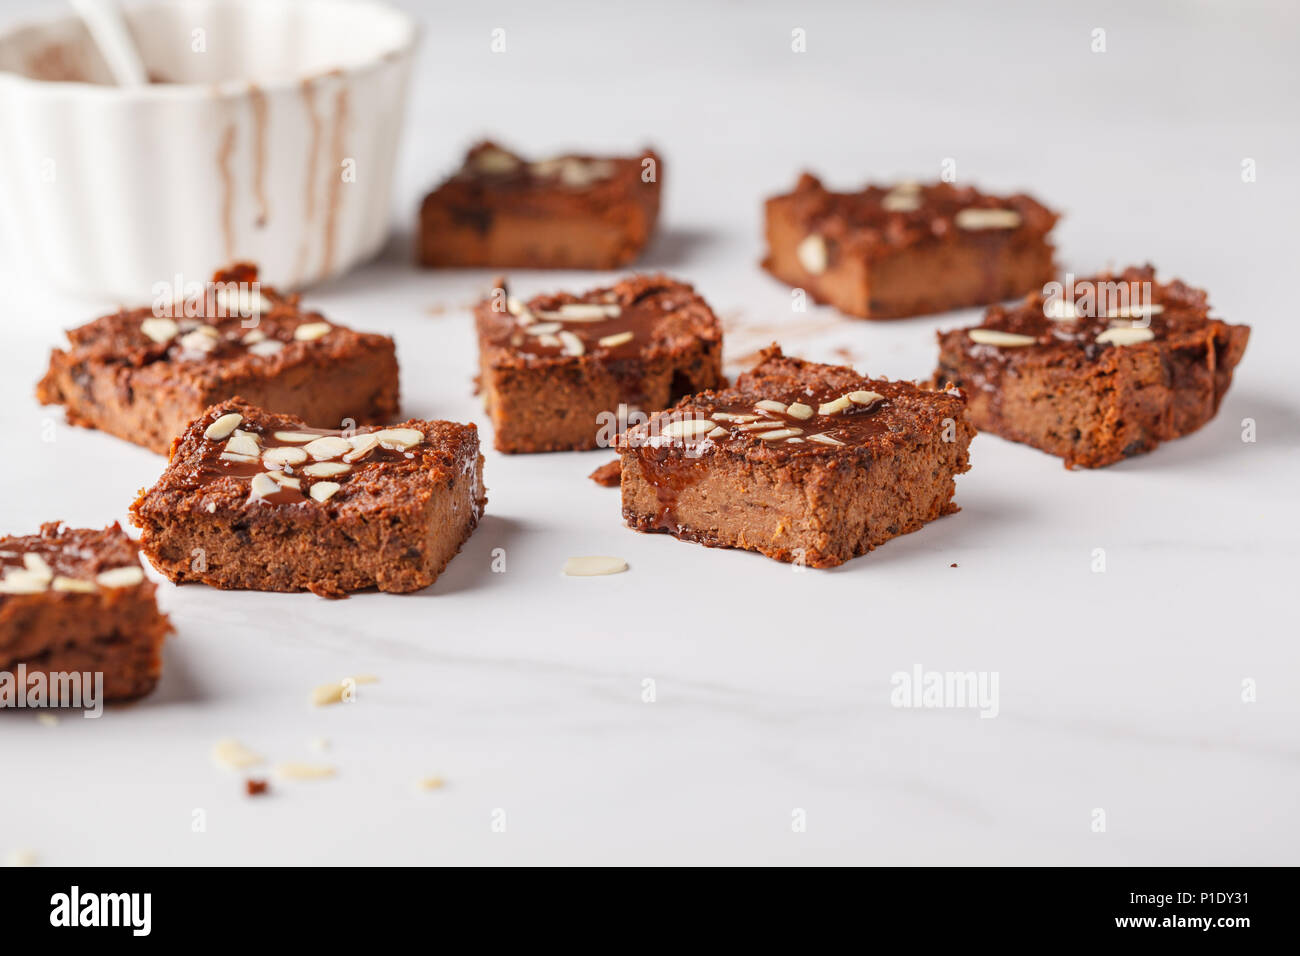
(1119, 690)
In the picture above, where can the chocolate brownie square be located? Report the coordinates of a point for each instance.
(555, 370)
(1096, 371)
(256, 500)
(144, 374)
(77, 601)
(805, 463)
(568, 212)
(891, 252)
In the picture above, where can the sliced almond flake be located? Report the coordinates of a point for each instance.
(327, 447)
(243, 445)
(198, 341)
(1006, 340)
(291, 455)
(284, 481)
(253, 337)
(899, 200)
(755, 426)
(495, 161)
(777, 434)
(160, 330)
(572, 344)
(326, 469)
(398, 439)
(835, 406)
(62, 583)
(266, 349)
(362, 445)
(263, 485)
(549, 341)
(587, 312)
(220, 429)
(979, 219)
(799, 410)
(615, 340)
(594, 566)
(716, 432)
(768, 405)
(310, 331)
(295, 438)
(794, 441)
(124, 577)
(862, 397)
(323, 490)
(811, 253)
(732, 417)
(235, 456)
(578, 173)
(326, 694)
(23, 582)
(825, 439)
(37, 566)
(686, 428)
(1123, 335)
(303, 771)
(232, 755)
(544, 328)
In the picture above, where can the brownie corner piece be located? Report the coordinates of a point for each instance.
(564, 372)
(500, 210)
(259, 501)
(76, 601)
(1096, 370)
(887, 252)
(143, 374)
(804, 463)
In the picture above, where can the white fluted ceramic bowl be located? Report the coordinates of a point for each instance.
(271, 138)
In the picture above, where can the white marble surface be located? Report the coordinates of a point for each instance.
(1120, 690)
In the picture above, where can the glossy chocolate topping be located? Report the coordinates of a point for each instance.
(907, 214)
(233, 316)
(68, 560)
(1102, 312)
(613, 324)
(294, 466)
(499, 168)
(802, 421)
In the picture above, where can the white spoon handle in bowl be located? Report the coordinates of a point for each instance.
(103, 18)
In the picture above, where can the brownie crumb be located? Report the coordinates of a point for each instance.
(255, 787)
(609, 474)
(953, 565)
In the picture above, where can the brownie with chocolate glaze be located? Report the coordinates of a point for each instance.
(887, 252)
(261, 501)
(500, 210)
(805, 463)
(554, 370)
(74, 600)
(144, 374)
(1097, 371)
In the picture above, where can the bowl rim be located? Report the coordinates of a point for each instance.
(234, 88)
